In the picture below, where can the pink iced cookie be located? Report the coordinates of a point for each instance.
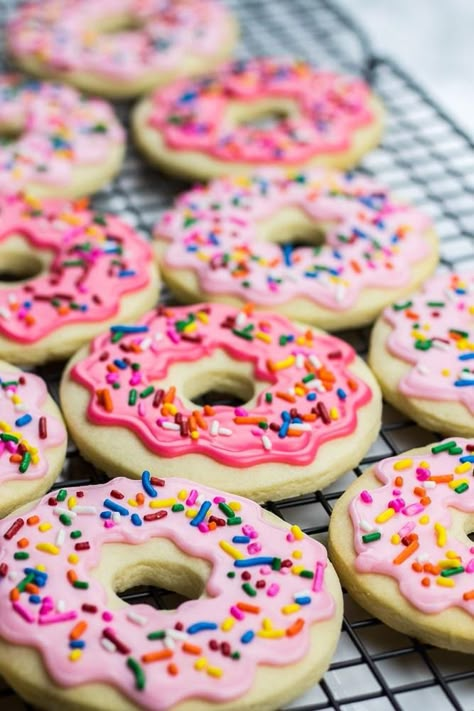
(362, 249)
(32, 438)
(398, 541)
(266, 600)
(201, 128)
(422, 353)
(310, 407)
(78, 272)
(120, 48)
(61, 145)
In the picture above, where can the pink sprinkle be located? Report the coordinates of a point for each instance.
(191, 500)
(241, 412)
(406, 529)
(135, 379)
(413, 509)
(108, 523)
(249, 530)
(107, 616)
(366, 497)
(218, 499)
(470, 566)
(396, 492)
(60, 617)
(273, 590)
(173, 336)
(203, 527)
(265, 570)
(253, 548)
(284, 571)
(422, 474)
(318, 577)
(46, 606)
(23, 612)
(290, 537)
(238, 614)
(471, 550)
(141, 409)
(396, 504)
(112, 377)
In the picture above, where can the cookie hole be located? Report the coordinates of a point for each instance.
(17, 267)
(10, 134)
(220, 388)
(119, 24)
(262, 115)
(291, 228)
(156, 591)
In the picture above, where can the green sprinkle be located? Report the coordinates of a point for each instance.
(308, 378)
(463, 334)
(370, 537)
(249, 589)
(234, 521)
(423, 345)
(306, 574)
(231, 574)
(25, 462)
(268, 397)
(447, 572)
(76, 534)
(116, 386)
(461, 488)
(436, 304)
(65, 519)
(276, 565)
(400, 307)
(99, 219)
(21, 555)
(132, 397)
(443, 447)
(116, 336)
(242, 334)
(176, 508)
(26, 581)
(148, 391)
(135, 366)
(225, 508)
(282, 340)
(159, 634)
(74, 263)
(8, 437)
(62, 493)
(80, 585)
(235, 655)
(138, 673)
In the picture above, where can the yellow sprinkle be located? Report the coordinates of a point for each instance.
(200, 663)
(162, 503)
(73, 558)
(169, 408)
(424, 519)
(45, 526)
(194, 434)
(449, 563)
(271, 634)
(297, 532)
(297, 554)
(202, 316)
(395, 539)
(385, 515)
(299, 391)
(441, 534)
(203, 256)
(231, 550)
(282, 364)
(263, 337)
(446, 372)
(297, 569)
(289, 609)
(235, 505)
(301, 340)
(132, 502)
(34, 458)
(214, 671)
(16, 399)
(75, 655)
(41, 567)
(191, 513)
(457, 482)
(471, 309)
(462, 468)
(5, 426)
(424, 465)
(228, 623)
(267, 623)
(182, 495)
(48, 548)
(445, 582)
(333, 413)
(452, 554)
(190, 327)
(403, 464)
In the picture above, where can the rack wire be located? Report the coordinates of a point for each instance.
(427, 159)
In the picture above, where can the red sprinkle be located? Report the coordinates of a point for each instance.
(14, 528)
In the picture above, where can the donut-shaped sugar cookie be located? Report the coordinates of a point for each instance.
(120, 48)
(267, 601)
(310, 411)
(398, 539)
(422, 352)
(61, 145)
(362, 249)
(32, 438)
(78, 271)
(201, 128)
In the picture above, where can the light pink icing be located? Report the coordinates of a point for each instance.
(61, 131)
(22, 400)
(289, 428)
(422, 513)
(445, 370)
(95, 260)
(64, 35)
(280, 635)
(373, 244)
(191, 114)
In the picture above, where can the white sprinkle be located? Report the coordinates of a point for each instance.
(12, 298)
(366, 526)
(169, 643)
(422, 369)
(241, 319)
(4, 313)
(303, 593)
(200, 499)
(58, 510)
(301, 426)
(440, 345)
(290, 391)
(60, 537)
(299, 363)
(177, 634)
(136, 618)
(266, 441)
(158, 336)
(315, 362)
(145, 344)
(214, 428)
(60, 606)
(318, 385)
(422, 558)
(108, 645)
(429, 484)
(85, 510)
(225, 431)
(170, 425)
(340, 293)
(12, 575)
(116, 517)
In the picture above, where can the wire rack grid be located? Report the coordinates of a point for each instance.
(426, 159)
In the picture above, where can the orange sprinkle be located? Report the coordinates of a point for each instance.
(15, 458)
(23, 543)
(170, 395)
(30, 320)
(78, 630)
(72, 576)
(355, 266)
(248, 308)
(112, 368)
(309, 417)
(286, 396)
(107, 400)
(246, 607)
(32, 589)
(469, 595)
(14, 594)
(33, 520)
(212, 525)
(200, 420)
(240, 420)
(80, 204)
(294, 433)
(209, 410)
(172, 669)
(442, 479)
(191, 648)
(352, 384)
(412, 315)
(426, 582)
(140, 498)
(426, 501)
(419, 491)
(295, 628)
(417, 567)
(63, 310)
(406, 552)
(192, 423)
(398, 481)
(157, 656)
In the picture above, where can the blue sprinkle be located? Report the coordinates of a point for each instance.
(290, 338)
(192, 248)
(106, 514)
(249, 562)
(120, 364)
(287, 250)
(23, 420)
(147, 485)
(311, 396)
(467, 458)
(466, 356)
(283, 431)
(126, 273)
(116, 507)
(303, 600)
(136, 520)
(341, 393)
(77, 644)
(285, 416)
(311, 275)
(201, 514)
(35, 599)
(201, 627)
(247, 637)
(241, 539)
(41, 578)
(463, 383)
(297, 421)
(129, 329)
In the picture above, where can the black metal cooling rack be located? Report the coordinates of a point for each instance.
(428, 160)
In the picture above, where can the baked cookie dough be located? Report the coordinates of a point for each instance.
(121, 48)
(308, 408)
(55, 142)
(215, 125)
(77, 271)
(33, 438)
(398, 540)
(357, 248)
(261, 629)
(422, 353)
